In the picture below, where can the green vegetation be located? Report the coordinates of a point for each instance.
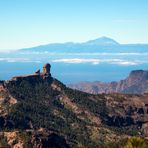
(133, 142)
(3, 142)
(136, 142)
(36, 103)
(40, 106)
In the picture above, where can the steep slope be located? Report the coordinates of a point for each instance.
(136, 82)
(38, 110)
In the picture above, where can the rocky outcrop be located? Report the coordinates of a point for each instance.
(46, 69)
(137, 83)
(34, 78)
(126, 110)
(144, 129)
(2, 87)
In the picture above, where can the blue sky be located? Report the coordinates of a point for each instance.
(27, 23)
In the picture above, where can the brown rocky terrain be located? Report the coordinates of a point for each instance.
(38, 111)
(135, 83)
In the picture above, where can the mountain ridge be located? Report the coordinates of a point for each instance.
(37, 110)
(102, 41)
(136, 82)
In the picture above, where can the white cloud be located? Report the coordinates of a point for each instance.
(13, 59)
(23, 60)
(76, 60)
(93, 61)
(98, 61)
(124, 63)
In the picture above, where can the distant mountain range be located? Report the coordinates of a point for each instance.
(137, 82)
(96, 45)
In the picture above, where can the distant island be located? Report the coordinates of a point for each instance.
(99, 44)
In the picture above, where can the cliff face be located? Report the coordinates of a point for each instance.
(39, 111)
(137, 82)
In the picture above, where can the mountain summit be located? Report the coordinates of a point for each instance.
(102, 41)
